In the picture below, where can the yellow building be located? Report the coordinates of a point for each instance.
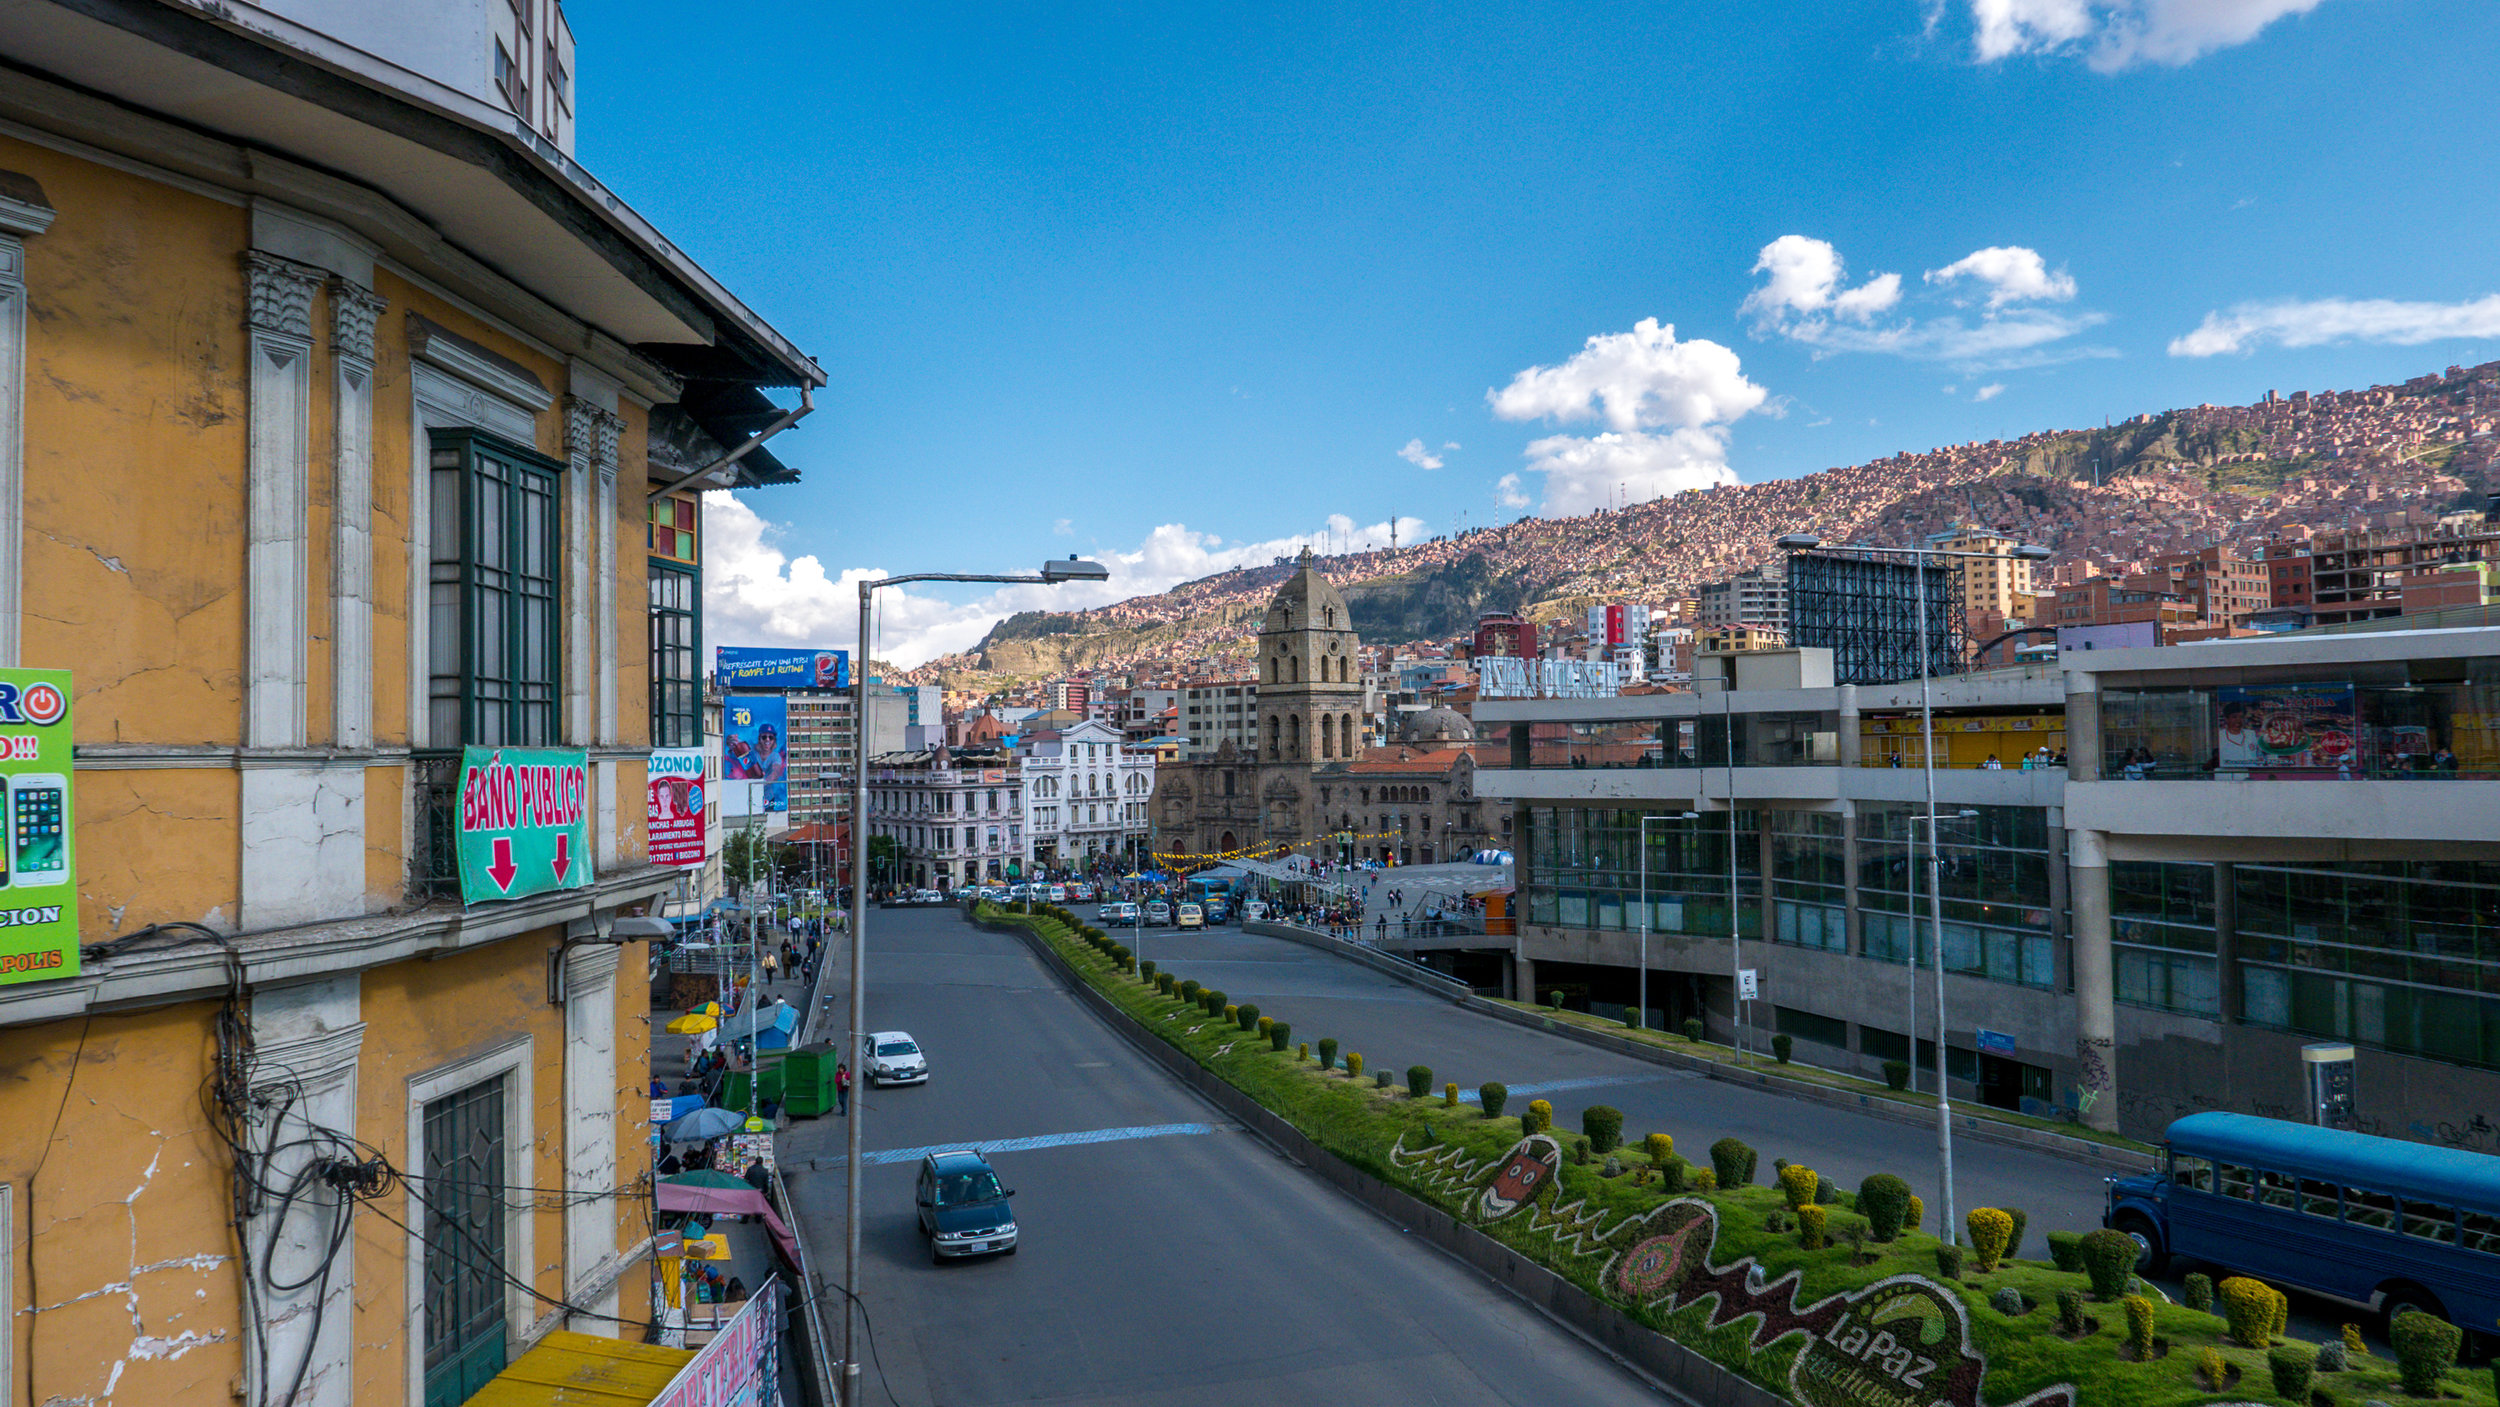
(1998, 581)
(334, 399)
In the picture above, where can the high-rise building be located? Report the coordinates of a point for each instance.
(1502, 633)
(1756, 597)
(1993, 582)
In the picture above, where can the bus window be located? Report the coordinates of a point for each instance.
(2430, 1221)
(2193, 1173)
(2235, 1182)
(2318, 1198)
(2275, 1189)
(2482, 1233)
(2372, 1209)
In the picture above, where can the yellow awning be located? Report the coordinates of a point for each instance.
(571, 1368)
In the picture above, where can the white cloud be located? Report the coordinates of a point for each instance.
(1797, 302)
(1596, 471)
(2323, 320)
(1508, 493)
(754, 592)
(1639, 383)
(2012, 274)
(1988, 392)
(1420, 457)
(1636, 380)
(2113, 35)
(1805, 278)
(1063, 527)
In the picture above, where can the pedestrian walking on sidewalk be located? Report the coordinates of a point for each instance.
(842, 1090)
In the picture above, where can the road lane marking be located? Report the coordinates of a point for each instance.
(1470, 1096)
(1028, 1145)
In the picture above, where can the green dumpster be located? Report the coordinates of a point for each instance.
(733, 1090)
(807, 1075)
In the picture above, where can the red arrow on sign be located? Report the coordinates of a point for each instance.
(564, 854)
(503, 870)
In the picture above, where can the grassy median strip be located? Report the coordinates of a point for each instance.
(2037, 1326)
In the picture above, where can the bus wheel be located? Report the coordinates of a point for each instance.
(2401, 1298)
(2149, 1256)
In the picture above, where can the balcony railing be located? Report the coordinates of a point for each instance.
(434, 860)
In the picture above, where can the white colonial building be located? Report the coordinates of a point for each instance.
(953, 820)
(1087, 792)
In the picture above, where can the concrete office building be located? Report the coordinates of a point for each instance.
(2257, 843)
(1758, 597)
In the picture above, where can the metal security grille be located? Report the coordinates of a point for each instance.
(1865, 611)
(495, 634)
(676, 645)
(464, 1242)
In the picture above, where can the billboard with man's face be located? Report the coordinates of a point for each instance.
(755, 733)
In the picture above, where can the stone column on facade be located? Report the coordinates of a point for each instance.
(2083, 728)
(24, 212)
(1522, 974)
(2096, 1014)
(580, 450)
(354, 310)
(280, 317)
(591, 1091)
(305, 1042)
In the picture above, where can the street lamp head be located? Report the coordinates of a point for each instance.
(1074, 569)
(1796, 542)
(1688, 815)
(2031, 552)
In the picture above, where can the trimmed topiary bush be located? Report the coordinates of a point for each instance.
(1603, 1123)
(1949, 1260)
(1418, 1080)
(1215, 1003)
(1539, 1118)
(1449, 1095)
(1896, 1074)
(2066, 1251)
(1674, 1175)
(2253, 1309)
(1146, 970)
(2008, 1302)
(1248, 1016)
(2354, 1345)
(1705, 1179)
(1989, 1229)
(1826, 1191)
(1885, 1202)
(2070, 1312)
(1491, 1096)
(1165, 984)
(1279, 1035)
(2291, 1364)
(1781, 1045)
(2330, 1357)
(2426, 1348)
(1918, 1213)
(1266, 1024)
(1305, 1052)
(2109, 1258)
(2216, 1369)
(1231, 1015)
(1733, 1162)
(1554, 1000)
(1810, 1227)
(2139, 1327)
(2014, 1238)
(1659, 1147)
(1190, 990)
(1796, 1183)
(1328, 1053)
(1692, 1029)
(2196, 1292)
(1380, 1078)
(1354, 1064)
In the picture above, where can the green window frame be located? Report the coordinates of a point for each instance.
(676, 652)
(497, 639)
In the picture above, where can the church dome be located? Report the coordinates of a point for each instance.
(1307, 602)
(1437, 725)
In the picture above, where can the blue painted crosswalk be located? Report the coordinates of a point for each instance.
(1028, 1145)
(1536, 1088)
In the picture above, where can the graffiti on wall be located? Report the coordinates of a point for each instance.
(1904, 1341)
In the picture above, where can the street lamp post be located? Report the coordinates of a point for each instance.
(1643, 1023)
(1052, 574)
(2027, 552)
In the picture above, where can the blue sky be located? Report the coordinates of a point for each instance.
(1171, 286)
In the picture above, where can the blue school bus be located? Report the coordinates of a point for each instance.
(2379, 1223)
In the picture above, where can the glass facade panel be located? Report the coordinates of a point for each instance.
(2403, 955)
(1994, 888)
(1585, 870)
(2393, 726)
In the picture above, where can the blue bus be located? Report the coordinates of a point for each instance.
(2375, 1222)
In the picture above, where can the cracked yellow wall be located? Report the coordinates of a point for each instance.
(122, 1253)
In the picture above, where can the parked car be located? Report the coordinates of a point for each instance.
(1158, 913)
(1059, 894)
(894, 1058)
(1191, 916)
(1080, 893)
(1116, 915)
(1218, 912)
(1253, 911)
(964, 1209)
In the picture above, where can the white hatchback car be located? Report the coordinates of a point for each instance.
(894, 1058)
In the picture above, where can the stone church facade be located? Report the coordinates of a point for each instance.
(1302, 778)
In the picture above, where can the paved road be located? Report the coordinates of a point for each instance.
(1176, 1268)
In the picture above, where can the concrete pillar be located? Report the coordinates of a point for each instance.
(1849, 883)
(1522, 977)
(2083, 728)
(2096, 1013)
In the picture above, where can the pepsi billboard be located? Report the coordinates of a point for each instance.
(749, 667)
